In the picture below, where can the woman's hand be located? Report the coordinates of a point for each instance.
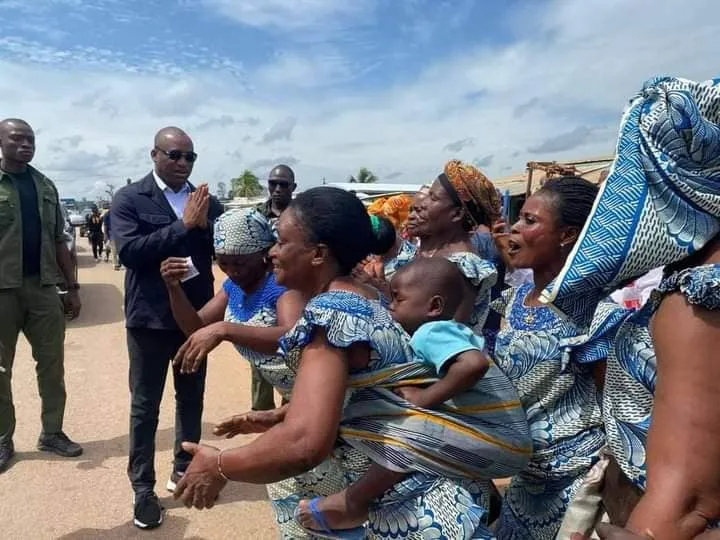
(173, 270)
(193, 352)
(250, 422)
(501, 235)
(202, 482)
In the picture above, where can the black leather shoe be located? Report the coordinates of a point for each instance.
(7, 451)
(60, 444)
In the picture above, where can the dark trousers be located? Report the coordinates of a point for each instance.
(263, 396)
(151, 351)
(97, 241)
(37, 311)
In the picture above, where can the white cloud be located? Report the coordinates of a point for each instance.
(290, 15)
(572, 71)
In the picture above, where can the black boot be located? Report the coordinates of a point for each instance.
(7, 451)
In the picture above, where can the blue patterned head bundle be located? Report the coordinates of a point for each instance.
(242, 232)
(661, 200)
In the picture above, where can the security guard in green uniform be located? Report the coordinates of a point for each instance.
(32, 249)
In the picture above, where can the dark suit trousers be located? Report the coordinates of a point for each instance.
(151, 352)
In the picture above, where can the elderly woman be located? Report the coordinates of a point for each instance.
(552, 363)
(250, 310)
(458, 201)
(346, 353)
(659, 206)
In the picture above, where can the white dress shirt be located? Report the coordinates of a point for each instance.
(177, 200)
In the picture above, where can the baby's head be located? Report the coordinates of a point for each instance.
(427, 289)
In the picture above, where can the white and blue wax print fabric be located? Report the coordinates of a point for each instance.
(550, 361)
(405, 255)
(242, 232)
(259, 308)
(631, 374)
(661, 200)
(447, 488)
(483, 276)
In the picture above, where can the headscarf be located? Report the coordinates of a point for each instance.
(395, 208)
(471, 190)
(242, 232)
(660, 202)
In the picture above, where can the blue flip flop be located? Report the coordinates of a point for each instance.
(358, 533)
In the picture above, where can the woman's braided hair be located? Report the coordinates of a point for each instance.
(572, 198)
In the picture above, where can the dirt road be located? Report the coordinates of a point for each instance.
(47, 497)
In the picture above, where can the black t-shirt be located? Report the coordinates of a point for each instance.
(31, 227)
(94, 225)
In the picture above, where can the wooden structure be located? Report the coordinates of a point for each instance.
(537, 172)
(518, 186)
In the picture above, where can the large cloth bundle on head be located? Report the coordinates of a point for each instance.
(395, 208)
(661, 200)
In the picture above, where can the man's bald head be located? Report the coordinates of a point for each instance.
(282, 172)
(17, 142)
(174, 156)
(13, 123)
(169, 135)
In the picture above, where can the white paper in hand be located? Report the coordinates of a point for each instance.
(191, 271)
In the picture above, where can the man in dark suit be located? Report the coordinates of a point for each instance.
(161, 216)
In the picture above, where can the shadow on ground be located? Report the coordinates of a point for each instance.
(172, 527)
(96, 453)
(102, 303)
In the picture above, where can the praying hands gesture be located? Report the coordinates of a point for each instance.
(195, 214)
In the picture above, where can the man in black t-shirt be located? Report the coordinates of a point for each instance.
(32, 249)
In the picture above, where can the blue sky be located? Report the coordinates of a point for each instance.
(329, 86)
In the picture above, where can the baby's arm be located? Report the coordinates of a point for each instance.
(466, 369)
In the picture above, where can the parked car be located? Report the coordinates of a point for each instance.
(71, 243)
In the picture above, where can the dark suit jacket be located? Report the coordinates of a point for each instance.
(147, 232)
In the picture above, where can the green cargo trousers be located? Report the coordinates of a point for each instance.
(263, 398)
(37, 311)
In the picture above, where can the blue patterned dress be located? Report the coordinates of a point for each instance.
(259, 309)
(437, 448)
(551, 367)
(483, 276)
(632, 369)
(405, 255)
(481, 273)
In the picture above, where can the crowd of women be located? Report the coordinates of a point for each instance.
(617, 434)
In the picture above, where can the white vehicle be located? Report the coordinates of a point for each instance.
(76, 219)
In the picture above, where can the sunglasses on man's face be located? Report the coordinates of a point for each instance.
(274, 184)
(175, 155)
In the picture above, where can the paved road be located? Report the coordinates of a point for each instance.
(47, 497)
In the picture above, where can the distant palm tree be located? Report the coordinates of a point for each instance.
(246, 185)
(364, 176)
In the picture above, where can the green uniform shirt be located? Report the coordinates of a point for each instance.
(11, 230)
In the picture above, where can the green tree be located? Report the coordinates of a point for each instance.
(246, 185)
(364, 176)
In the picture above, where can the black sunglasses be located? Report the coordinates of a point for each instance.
(272, 184)
(175, 155)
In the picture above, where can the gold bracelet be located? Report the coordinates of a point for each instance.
(219, 466)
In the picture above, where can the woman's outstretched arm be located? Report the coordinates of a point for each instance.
(301, 441)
